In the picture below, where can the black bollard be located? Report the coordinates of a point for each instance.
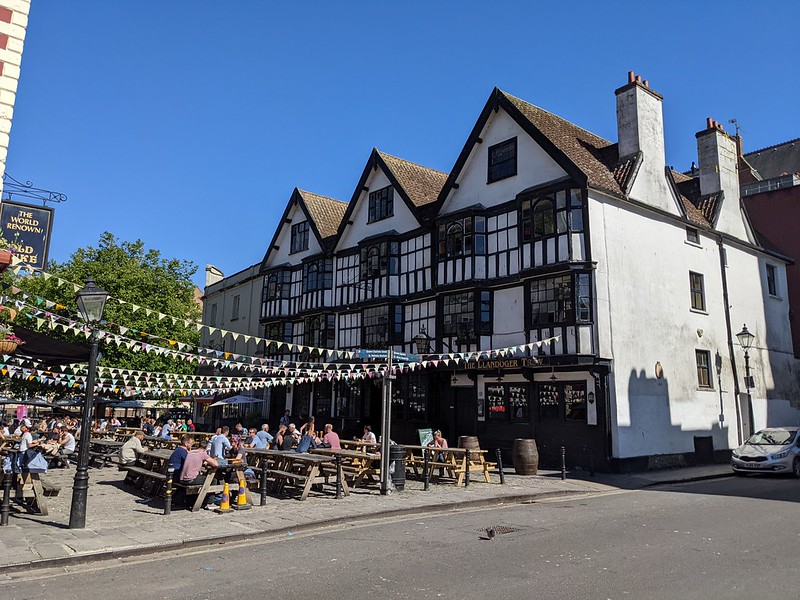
(563, 463)
(6, 506)
(466, 468)
(338, 476)
(500, 465)
(168, 491)
(425, 471)
(263, 490)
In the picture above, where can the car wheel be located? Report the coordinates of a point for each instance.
(796, 467)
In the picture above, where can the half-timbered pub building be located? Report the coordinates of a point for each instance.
(637, 276)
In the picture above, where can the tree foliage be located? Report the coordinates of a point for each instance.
(131, 272)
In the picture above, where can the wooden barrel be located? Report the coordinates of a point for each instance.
(525, 456)
(469, 441)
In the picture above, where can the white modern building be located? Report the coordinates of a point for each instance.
(541, 230)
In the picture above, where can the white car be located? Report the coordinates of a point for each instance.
(771, 450)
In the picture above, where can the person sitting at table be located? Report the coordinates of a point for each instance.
(439, 442)
(279, 436)
(238, 455)
(127, 454)
(148, 425)
(306, 443)
(26, 439)
(265, 435)
(4, 428)
(219, 446)
(254, 441)
(286, 418)
(368, 435)
(180, 453)
(291, 437)
(308, 427)
(66, 441)
(114, 425)
(192, 471)
(331, 438)
(166, 430)
(190, 425)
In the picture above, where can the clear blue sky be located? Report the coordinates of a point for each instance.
(187, 123)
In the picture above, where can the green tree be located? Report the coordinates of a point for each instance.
(138, 275)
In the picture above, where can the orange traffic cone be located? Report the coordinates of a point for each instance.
(225, 505)
(241, 499)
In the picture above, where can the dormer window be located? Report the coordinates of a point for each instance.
(502, 160)
(381, 204)
(299, 237)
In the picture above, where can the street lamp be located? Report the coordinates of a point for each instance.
(746, 340)
(91, 302)
(422, 342)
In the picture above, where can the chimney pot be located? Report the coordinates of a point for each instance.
(646, 83)
(709, 123)
(638, 79)
(631, 76)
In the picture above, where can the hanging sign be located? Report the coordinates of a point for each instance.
(27, 227)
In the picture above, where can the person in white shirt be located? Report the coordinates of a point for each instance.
(368, 435)
(26, 441)
(66, 441)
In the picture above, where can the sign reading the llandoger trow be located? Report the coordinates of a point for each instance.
(507, 363)
(28, 228)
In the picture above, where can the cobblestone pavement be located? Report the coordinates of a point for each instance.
(116, 523)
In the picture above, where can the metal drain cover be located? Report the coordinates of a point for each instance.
(500, 529)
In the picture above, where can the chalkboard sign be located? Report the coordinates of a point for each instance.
(425, 437)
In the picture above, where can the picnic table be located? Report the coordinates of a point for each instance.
(451, 460)
(357, 464)
(103, 450)
(8, 444)
(29, 487)
(301, 470)
(160, 443)
(149, 474)
(358, 445)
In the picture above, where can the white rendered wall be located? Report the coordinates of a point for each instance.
(402, 221)
(246, 284)
(644, 316)
(284, 241)
(534, 167)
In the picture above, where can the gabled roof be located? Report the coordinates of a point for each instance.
(323, 214)
(688, 189)
(777, 160)
(585, 156)
(326, 213)
(417, 185)
(422, 184)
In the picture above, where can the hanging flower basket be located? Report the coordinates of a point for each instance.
(8, 346)
(5, 259)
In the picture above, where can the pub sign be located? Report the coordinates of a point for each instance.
(27, 227)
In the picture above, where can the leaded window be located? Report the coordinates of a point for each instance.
(381, 204)
(319, 331)
(381, 258)
(277, 286)
(278, 333)
(462, 237)
(552, 214)
(697, 291)
(410, 397)
(466, 315)
(552, 301)
(299, 237)
(382, 326)
(318, 275)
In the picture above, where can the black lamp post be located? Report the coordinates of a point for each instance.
(746, 340)
(91, 303)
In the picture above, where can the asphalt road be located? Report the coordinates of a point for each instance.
(728, 538)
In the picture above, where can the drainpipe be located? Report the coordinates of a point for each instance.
(730, 337)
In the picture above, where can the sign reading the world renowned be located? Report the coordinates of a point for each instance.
(28, 228)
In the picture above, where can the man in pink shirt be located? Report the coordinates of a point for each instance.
(192, 474)
(331, 438)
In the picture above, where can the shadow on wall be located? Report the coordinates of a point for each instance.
(661, 443)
